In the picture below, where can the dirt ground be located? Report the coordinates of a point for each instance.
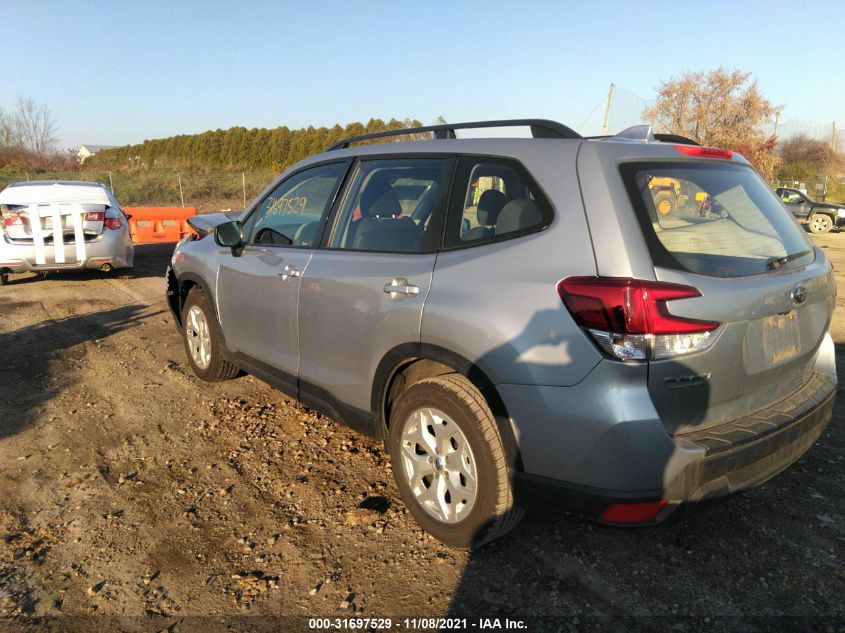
(135, 497)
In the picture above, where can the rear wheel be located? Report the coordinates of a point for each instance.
(4, 279)
(820, 223)
(203, 339)
(449, 462)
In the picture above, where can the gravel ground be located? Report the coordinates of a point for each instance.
(135, 497)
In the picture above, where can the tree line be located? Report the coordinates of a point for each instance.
(722, 108)
(238, 148)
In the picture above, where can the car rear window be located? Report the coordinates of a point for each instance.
(716, 220)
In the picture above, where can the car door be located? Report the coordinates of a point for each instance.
(796, 202)
(258, 288)
(363, 293)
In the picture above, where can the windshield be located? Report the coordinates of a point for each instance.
(716, 220)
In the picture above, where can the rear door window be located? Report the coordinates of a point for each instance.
(716, 220)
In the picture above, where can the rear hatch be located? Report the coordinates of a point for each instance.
(762, 283)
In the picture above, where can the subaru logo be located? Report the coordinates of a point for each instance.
(799, 295)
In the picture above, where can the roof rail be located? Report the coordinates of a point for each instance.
(540, 128)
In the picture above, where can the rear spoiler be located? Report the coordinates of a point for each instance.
(205, 224)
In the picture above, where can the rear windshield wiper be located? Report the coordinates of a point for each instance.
(776, 262)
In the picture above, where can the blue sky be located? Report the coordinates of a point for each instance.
(122, 71)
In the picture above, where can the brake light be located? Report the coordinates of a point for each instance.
(629, 318)
(628, 513)
(95, 216)
(704, 152)
(112, 223)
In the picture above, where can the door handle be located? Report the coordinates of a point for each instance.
(400, 287)
(290, 272)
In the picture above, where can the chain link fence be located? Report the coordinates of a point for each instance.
(207, 191)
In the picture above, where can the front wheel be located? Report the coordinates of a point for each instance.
(820, 223)
(449, 462)
(203, 339)
(664, 202)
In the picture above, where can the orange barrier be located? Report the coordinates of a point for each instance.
(151, 225)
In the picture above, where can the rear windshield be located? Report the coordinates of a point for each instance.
(716, 220)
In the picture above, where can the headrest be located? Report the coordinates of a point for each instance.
(379, 200)
(490, 204)
(519, 214)
(306, 234)
(387, 234)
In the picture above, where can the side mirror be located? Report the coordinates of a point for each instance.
(230, 235)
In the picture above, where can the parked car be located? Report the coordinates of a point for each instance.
(518, 322)
(820, 217)
(62, 225)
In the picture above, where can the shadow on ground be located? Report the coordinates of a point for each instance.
(27, 354)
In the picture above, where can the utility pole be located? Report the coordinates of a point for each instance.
(833, 137)
(607, 111)
(777, 125)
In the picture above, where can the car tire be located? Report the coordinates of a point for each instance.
(820, 223)
(4, 279)
(664, 203)
(204, 340)
(432, 425)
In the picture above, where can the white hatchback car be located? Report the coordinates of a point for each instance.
(62, 225)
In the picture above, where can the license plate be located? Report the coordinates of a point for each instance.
(781, 337)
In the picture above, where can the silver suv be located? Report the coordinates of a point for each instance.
(616, 325)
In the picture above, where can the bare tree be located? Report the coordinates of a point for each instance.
(5, 129)
(33, 127)
(722, 108)
(805, 158)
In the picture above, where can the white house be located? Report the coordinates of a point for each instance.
(89, 150)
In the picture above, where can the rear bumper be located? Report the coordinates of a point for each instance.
(113, 247)
(632, 459)
(734, 457)
(747, 452)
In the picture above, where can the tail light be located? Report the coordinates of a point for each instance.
(629, 318)
(112, 223)
(12, 219)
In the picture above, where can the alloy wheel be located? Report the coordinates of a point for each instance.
(439, 465)
(199, 337)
